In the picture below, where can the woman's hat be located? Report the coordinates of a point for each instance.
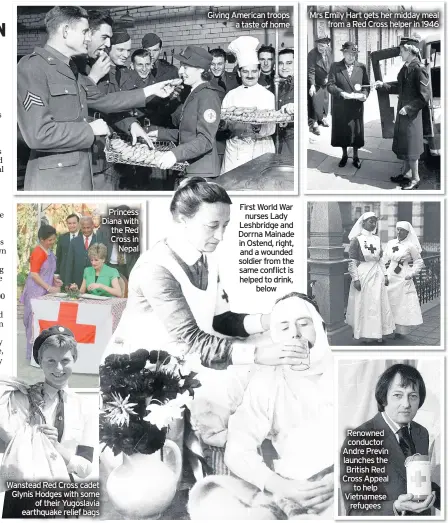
(195, 57)
(323, 40)
(45, 334)
(350, 46)
(409, 41)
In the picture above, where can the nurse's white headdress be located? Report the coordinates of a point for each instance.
(412, 236)
(245, 50)
(357, 228)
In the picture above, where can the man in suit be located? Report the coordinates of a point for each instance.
(400, 392)
(64, 241)
(319, 62)
(78, 259)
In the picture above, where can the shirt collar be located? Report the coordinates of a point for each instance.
(364, 232)
(183, 248)
(394, 427)
(57, 54)
(51, 392)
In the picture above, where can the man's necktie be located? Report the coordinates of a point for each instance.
(118, 75)
(72, 237)
(74, 68)
(405, 441)
(86, 243)
(59, 419)
(202, 272)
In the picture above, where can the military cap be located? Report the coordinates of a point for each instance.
(150, 39)
(195, 57)
(45, 334)
(119, 37)
(409, 41)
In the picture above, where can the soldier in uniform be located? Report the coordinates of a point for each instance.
(286, 98)
(319, 62)
(198, 119)
(266, 56)
(53, 102)
(160, 113)
(414, 92)
(224, 79)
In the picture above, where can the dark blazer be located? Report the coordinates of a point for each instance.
(62, 253)
(77, 260)
(395, 468)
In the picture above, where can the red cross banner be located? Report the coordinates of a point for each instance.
(90, 323)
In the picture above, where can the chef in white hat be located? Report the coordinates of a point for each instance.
(247, 141)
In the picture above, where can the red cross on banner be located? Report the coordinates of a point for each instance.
(67, 316)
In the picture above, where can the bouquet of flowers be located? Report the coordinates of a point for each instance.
(72, 293)
(142, 393)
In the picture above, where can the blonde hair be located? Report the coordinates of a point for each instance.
(98, 250)
(411, 48)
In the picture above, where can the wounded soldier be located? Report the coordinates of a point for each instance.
(285, 404)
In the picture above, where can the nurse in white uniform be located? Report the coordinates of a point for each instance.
(403, 261)
(247, 141)
(368, 310)
(176, 300)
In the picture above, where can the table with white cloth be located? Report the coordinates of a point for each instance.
(91, 321)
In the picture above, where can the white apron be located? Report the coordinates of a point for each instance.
(144, 330)
(402, 294)
(239, 151)
(368, 311)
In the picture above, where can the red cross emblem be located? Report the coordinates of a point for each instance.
(68, 313)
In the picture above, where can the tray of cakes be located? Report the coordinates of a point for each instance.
(119, 150)
(255, 116)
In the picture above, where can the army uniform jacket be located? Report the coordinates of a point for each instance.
(286, 96)
(52, 116)
(198, 124)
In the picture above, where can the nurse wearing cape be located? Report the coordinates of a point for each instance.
(368, 309)
(403, 261)
(177, 301)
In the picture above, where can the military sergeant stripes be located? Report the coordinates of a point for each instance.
(32, 99)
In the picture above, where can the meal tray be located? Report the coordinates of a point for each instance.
(160, 146)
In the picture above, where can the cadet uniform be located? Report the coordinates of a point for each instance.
(52, 116)
(198, 121)
(286, 96)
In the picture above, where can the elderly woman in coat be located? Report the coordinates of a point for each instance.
(414, 92)
(347, 83)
